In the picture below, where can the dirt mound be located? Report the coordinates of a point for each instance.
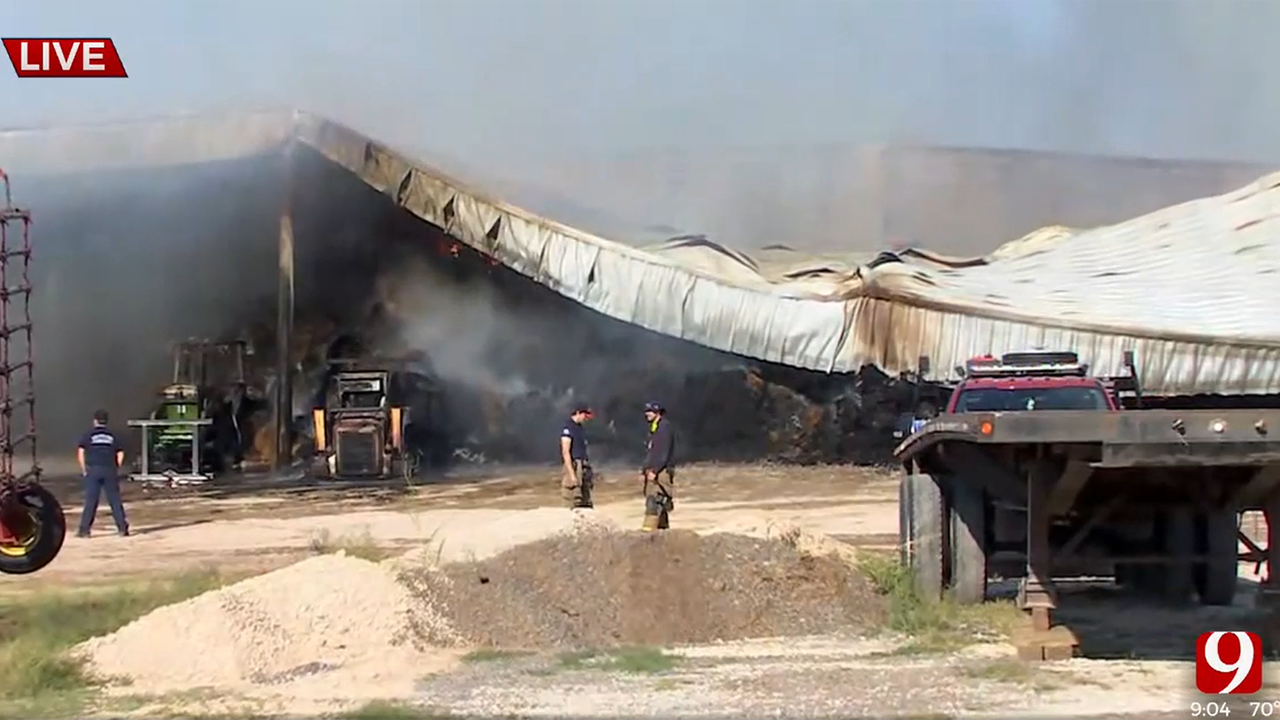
(332, 621)
(599, 589)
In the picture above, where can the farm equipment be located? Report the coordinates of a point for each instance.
(196, 429)
(1040, 472)
(360, 430)
(32, 524)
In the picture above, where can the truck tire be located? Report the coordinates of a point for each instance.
(1180, 545)
(920, 532)
(967, 516)
(48, 532)
(1216, 579)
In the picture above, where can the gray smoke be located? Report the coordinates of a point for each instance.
(514, 88)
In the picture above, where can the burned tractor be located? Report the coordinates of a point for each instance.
(197, 429)
(32, 524)
(361, 428)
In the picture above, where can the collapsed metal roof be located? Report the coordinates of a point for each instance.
(1189, 288)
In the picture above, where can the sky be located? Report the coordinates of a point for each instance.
(489, 80)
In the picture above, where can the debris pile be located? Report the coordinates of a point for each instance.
(599, 589)
(336, 626)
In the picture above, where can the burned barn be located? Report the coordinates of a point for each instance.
(300, 241)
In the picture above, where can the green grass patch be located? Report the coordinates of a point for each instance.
(933, 625)
(386, 710)
(361, 546)
(37, 679)
(483, 655)
(635, 659)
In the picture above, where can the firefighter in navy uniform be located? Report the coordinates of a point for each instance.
(659, 469)
(100, 456)
(577, 476)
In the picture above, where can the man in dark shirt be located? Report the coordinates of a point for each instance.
(100, 456)
(578, 478)
(659, 469)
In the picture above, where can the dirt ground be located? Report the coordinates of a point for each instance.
(1136, 657)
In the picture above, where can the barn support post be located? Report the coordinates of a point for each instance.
(284, 318)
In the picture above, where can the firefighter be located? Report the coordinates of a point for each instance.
(659, 469)
(578, 478)
(100, 456)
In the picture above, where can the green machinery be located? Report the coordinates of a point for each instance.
(195, 429)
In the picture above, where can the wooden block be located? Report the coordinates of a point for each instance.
(1057, 643)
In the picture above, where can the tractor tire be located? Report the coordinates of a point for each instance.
(48, 531)
(967, 517)
(1216, 580)
(920, 532)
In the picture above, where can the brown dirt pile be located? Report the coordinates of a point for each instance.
(598, 589)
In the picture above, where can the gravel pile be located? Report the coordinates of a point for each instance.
(597, 588)
(332, 619)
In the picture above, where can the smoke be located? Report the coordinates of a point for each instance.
(506, 83)
(128, 263)
(470, 333)
(497, 333)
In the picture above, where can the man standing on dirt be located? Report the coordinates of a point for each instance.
(578, 478)
(100, 457)
(659, 469)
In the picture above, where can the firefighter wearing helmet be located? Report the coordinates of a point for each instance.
(658, 473)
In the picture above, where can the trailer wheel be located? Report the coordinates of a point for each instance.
(968, 531)
(1216, 579)
(920, 531)
(38, 527)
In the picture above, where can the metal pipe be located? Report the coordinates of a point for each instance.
(284, 320)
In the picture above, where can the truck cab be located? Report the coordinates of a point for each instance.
(1027, 381)
(1030, 381)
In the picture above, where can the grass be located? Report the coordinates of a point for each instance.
(483, 655)
(634, 659)
(360, 546)
(37, 679)
(385, 710)
(933, 626)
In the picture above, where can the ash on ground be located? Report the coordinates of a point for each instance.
(601, 589)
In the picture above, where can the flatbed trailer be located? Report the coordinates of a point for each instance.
(1150, 497)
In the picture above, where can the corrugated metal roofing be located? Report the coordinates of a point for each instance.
(1189, 288)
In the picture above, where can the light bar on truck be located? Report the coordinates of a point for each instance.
(1024, 364)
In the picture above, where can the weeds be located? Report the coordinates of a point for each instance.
(36, 630)
(483, 655)
(361, 546)
(933, 626)
(384, 710)
(637, 659)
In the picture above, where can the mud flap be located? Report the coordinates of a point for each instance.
(50, 532)
(1179, 539)
(968, 530)
(1217, 579)
(920, 531)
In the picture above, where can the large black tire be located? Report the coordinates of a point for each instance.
(920, 532)
(50, 532)
(1216, 580)
(968, 532)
